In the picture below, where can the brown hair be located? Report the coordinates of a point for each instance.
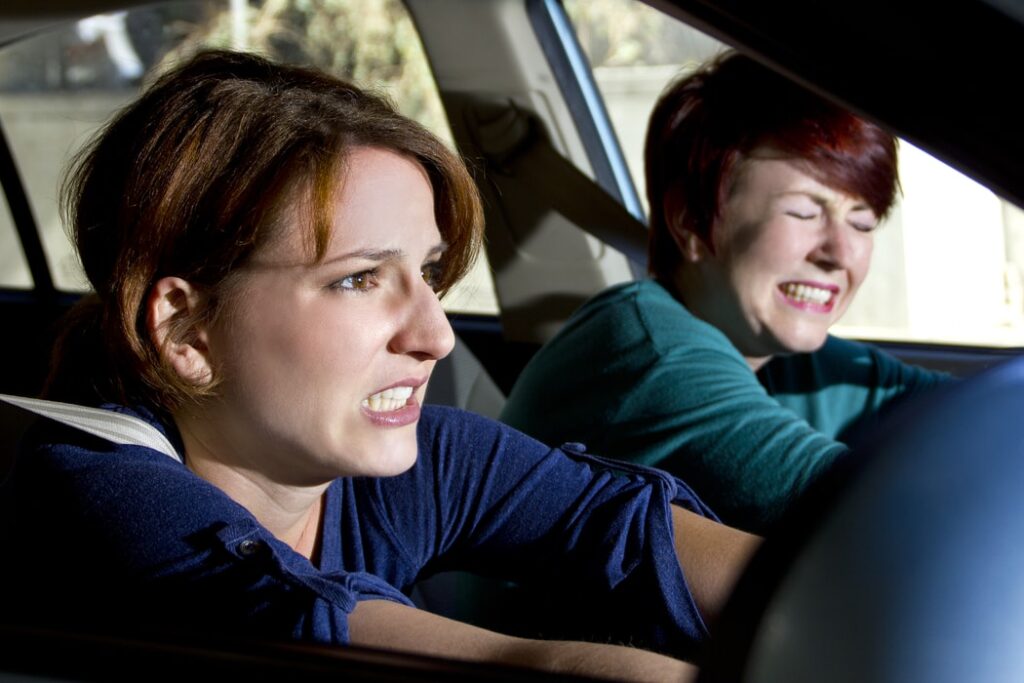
(706, 122)
(192, 177)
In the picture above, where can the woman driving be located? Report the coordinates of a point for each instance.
(764, 201)
(266, 245)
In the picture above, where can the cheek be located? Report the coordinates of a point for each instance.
(735, 238)
(770, 253)
(265, 347)
(862, 258)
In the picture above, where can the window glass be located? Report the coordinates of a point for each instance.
(911, 293)
(58, 88)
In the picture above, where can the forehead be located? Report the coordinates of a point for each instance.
(376, 182)
(769, 174)
(378, 199)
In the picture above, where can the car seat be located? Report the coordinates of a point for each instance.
(460, 380)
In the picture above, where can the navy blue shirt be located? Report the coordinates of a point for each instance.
(125, 538)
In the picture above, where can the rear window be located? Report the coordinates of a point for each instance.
(58, 87)
(948, 264)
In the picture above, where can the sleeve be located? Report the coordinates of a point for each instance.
(846, 386)
(702, 414)
(597, 533)
(156, 548)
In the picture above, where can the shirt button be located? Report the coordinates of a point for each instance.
(574, 447)
(249, 547)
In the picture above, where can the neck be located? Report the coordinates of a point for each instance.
(288, 511)
(757, 363)
(683, 287)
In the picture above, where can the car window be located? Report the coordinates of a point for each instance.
(912, 293)
(58, 87)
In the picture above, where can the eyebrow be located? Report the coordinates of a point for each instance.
(822, 200)
(382, 255)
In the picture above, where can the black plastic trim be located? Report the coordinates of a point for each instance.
(958, 360)
(937, 75)
(24, 220)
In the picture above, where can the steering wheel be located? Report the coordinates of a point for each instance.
(906, 563)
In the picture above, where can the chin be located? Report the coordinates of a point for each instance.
(805, 341)
(808, 345)
(391, 458)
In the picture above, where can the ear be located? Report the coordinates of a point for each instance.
(170, 300)
(690, 245)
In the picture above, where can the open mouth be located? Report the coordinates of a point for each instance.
(388, 400)
(803, 293)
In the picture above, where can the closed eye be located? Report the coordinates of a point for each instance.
(803, 215)
(862, 219)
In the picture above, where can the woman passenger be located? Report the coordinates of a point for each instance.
(764, 200)
(267, 245)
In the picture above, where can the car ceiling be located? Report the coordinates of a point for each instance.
(935, 73)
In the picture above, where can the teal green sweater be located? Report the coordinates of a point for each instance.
(634, 375)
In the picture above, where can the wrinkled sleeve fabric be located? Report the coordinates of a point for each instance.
(846, 386)
(765, 444)
(124, 539)
(505, 505)
(747, 455)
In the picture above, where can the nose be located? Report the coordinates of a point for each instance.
(424, 331)
(835, 246)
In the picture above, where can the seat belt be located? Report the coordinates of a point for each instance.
(514, 142)
(106, 424)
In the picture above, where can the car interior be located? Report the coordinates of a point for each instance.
(522, 92)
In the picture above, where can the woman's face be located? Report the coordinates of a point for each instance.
(789, 255)
(325, 365)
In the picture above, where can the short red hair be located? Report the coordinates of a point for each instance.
(705, 123)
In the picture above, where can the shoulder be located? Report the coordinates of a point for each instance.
(628, 301)
(116, 489)
(636, 316)
(611, 313)
(63, 447)
(672, 329)
(453, 433)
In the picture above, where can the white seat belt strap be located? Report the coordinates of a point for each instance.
(106, 424)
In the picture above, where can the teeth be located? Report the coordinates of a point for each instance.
(806, 293)
(388, 400)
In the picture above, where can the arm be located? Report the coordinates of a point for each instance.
(671, 392)
(750, 452)
(846, 386)
(712, 557)
(383, 624)
(701, 414)
(710, 554)
(593, 537)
